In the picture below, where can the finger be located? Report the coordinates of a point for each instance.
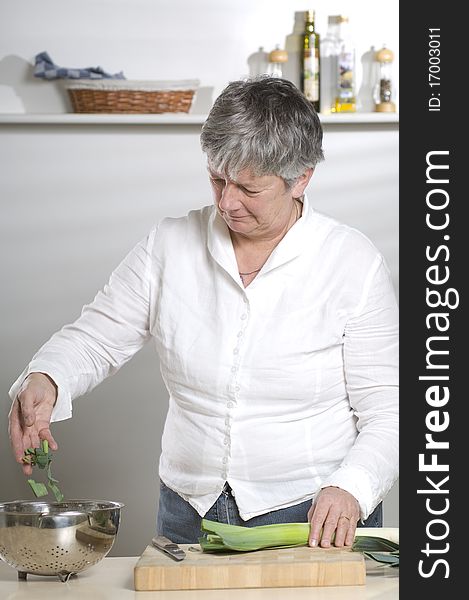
(343, 526)
(330, 525)
(34, 437)
(27, 469)
(350, 537)
(317, 522)
(26, 405)
(45, 434)
(26, 443)
(16, 433)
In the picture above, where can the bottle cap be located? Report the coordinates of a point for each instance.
(278, 55)
(384, 55)
(337, 19)
(309, 15)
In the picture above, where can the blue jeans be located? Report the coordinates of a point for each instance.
(180, 522)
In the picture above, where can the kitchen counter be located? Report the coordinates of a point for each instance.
(112, 579)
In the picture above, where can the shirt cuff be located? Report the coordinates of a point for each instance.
(355, 481)
(63, 407)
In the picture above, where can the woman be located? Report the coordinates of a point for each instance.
(276, 331)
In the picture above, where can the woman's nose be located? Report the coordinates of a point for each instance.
(229, 198)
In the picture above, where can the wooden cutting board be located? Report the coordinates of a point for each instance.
(284, 567)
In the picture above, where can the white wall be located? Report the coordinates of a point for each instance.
(74, 199)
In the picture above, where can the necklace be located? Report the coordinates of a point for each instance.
(298, 210)
(250, 272)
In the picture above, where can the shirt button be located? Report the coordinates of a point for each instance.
(240, 333)
(224, 474)
(244, 316)
(226, 441)
(237, 388)
(236, 351)
(234, 369)
(229, 404)
(225, 460)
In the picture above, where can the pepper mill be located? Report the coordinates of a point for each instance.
(277, 58)
(384, 90)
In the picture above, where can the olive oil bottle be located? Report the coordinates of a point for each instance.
(345, 95)
(310, 61)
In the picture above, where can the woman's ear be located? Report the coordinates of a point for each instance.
(301, 183)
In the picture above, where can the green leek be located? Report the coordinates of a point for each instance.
(38, 488)
(41, 457)
(222, 537)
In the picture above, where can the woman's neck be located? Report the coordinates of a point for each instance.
(252, 252)
(265, 241)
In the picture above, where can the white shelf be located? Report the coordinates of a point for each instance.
(359, 118)
(101, 119)
(169, 119)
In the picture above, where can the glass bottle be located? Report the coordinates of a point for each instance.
(311, 65)
(329, 68)
(345, 92)
(277, 58)
(258, 62)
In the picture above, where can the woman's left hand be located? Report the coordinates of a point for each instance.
(333, 511)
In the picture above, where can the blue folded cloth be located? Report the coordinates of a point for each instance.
(46, 69)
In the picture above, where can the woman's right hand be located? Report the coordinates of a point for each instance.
(30, 414)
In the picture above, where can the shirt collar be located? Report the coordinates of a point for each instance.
(221, 248)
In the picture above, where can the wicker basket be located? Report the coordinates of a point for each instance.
(124, 96)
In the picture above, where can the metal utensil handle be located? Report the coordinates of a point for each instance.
(169, 547)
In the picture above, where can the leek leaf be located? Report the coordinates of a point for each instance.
(392, 559)
(38, 488)
(369, 544)
(42, 457)
(222, 537)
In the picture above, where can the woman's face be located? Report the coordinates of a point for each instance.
(253, 205)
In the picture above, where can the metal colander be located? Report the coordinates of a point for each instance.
(57, 538)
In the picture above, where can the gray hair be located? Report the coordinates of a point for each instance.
(265, 124)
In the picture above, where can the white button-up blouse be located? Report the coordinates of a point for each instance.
(280, 389)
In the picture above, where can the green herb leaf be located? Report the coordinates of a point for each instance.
(49, 476)
(38, 488)
(55, 490)
(42, 458)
